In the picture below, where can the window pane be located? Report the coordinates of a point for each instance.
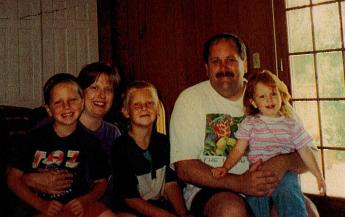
(307, 111)
(299, 30)
(334, 171)
(333, 123)
(320, 1)
(343, 18)
(330, 74)
(308, 180)
(295, 3)
(326, 26)
(302, 76)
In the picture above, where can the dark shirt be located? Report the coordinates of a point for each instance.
(45, 150)
(138, 172)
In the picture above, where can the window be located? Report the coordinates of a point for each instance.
(315, 57)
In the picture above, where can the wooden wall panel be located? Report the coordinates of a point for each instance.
(161, 41)
(256, 29)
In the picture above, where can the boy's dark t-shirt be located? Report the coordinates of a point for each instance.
(45, 150)
(138, 172)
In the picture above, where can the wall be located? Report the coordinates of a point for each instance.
(40, 38)
(161, 40)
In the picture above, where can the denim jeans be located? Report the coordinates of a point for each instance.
(287, 198)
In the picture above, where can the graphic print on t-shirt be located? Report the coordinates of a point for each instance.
(55, 160)
(220, 134)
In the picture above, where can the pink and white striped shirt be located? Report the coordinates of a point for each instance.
(270, 136)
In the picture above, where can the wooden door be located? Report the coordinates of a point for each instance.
(39, 38)
(20, 52)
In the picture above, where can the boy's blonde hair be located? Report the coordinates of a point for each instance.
(126, 96)
(268, 78)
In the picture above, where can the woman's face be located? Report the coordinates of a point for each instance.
(99, 97)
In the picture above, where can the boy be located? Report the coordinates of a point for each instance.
(62, 146)
(141, 158)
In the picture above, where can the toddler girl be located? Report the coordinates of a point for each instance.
(270, 129)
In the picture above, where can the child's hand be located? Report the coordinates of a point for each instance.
(51, 208)
(321, 185)
(219, 172)
(76, 207)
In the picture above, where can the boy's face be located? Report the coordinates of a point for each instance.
(142, 109)
(65, 104)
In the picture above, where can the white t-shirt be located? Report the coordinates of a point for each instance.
(202, 126)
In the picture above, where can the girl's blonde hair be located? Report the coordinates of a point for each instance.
(268, 78)
(126, 96)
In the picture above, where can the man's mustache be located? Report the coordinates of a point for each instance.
(228, 74)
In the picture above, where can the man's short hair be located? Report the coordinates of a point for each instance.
(241, 47)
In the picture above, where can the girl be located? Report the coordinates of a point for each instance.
(270, 129)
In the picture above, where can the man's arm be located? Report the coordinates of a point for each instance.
(280, 164)
(252, 182)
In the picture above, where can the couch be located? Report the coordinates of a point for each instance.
(15, 122)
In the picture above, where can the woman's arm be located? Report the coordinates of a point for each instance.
(51, 182)
(16, 184)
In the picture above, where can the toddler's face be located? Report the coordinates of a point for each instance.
(267, 99)
(142, 109)
(66, 104)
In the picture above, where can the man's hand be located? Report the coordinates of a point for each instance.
(278, 165)
(258, 182)
(51, 182)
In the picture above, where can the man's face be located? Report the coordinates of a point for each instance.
(226, 69)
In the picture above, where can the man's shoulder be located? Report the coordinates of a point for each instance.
(197, 87)
(195, 92)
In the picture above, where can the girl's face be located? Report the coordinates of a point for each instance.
(99, 97)
(142, 109)
(267, 99)
(65, 104)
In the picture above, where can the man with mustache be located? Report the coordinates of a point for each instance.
(202, 127)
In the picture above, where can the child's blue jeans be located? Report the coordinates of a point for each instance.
(287, 198)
